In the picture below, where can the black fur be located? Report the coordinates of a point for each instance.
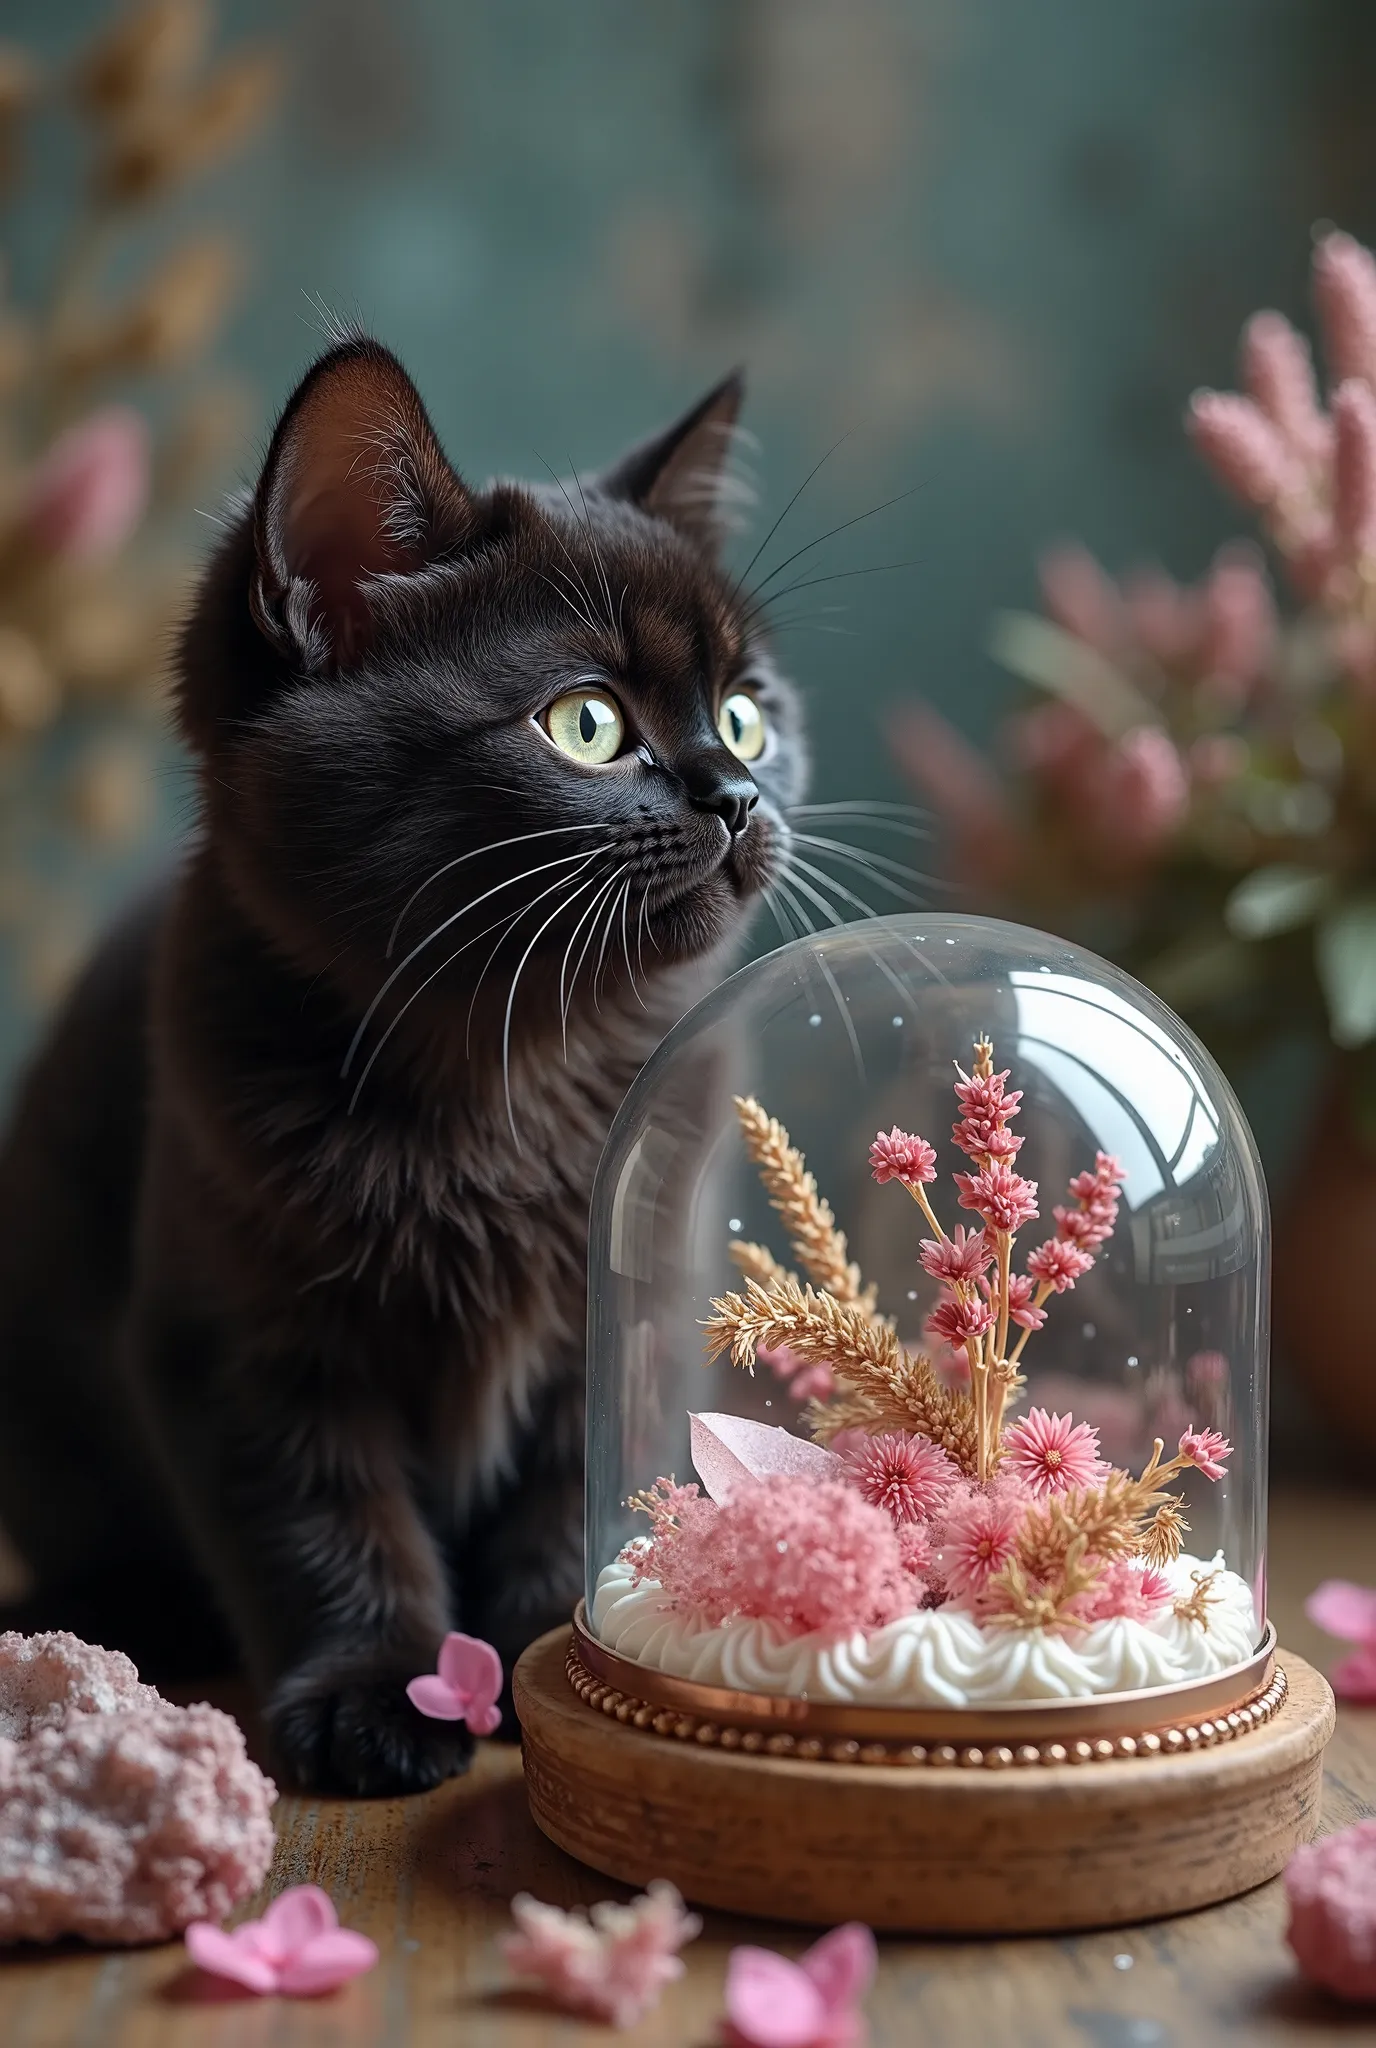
(292, 1282)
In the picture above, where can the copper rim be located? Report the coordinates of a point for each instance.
(1020, 1723)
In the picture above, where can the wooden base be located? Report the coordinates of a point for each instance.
(1054, 1846)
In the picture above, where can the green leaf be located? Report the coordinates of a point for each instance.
(1345, 949)
(1278, 898)
(1055, 660)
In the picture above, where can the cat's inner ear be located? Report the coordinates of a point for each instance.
(355, 487)
(684, 474)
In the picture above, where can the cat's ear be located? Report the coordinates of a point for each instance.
(683, 474)
(355, 487)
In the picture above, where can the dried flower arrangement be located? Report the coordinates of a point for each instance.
(1191, 790)
(91, 491)
(915, 1497)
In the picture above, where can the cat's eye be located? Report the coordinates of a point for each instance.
(741, 724)
(586, 726)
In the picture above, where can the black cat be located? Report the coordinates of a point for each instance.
(293, 1208)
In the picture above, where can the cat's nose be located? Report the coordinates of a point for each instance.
(721, 786)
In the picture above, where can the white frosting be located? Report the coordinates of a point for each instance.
(935, 1658)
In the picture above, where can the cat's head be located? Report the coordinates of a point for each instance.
(511, 716)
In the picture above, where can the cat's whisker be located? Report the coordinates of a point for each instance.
(561, 593)
(592, 543)
(844, 527)
(565, 904)
(589, 912)
(602, 949)
(903, 994)
(837, 576)
(523, 912)
(876, 864)
(626, 946)
(640, 927)
(829, 882)
(563, 861)
(492, 846)
(740, 582)
(578, 574)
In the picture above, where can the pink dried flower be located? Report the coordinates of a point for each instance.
(957, 1321)
(1126, 1591)
(1022, 1309)
(1242, 447)
(963, 790)
(1345, 293)
(1354, 468)
(962, 1256)
(1002, 1197)
(907, 1476)
(977, 1541)
(90, 488)
(1239, 617)
(1081, 599)
(1206, 1450)
(916, 1549)
(813, 2003)
(465, 1685)
(898, 1155)
(298, 1948)
(1331, 1889)
(1059, 1263)
(1278, 370)
(809, 1554)
(1349, 1612)
(613, 1963)
(997, 1143)
(1142, 792)
(1051, 1452)
(983, 1096)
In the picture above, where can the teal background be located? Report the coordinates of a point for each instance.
(994, 244)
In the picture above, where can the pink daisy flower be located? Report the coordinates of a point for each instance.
(898, 1155)
(1052, 1452)
(1059, 1263)
(963, 1256)
(956, 1321)
(1003, 1198)
(1021, 1307)
(977, 1541)
(905, 1475)
(1206, 1450)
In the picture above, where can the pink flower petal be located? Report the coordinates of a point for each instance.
(1354, 1677)
(472, 1668)
(326, 1962)
(484, 1720)
(770, 2002)
(1344, 1610)
(430, 1695)
(842, 1966)
(296, 1916)
(220, 1955)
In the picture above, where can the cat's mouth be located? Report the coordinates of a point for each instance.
(718, 876)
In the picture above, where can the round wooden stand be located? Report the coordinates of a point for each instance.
(926, 1849)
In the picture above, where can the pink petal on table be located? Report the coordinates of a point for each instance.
(430, 1695)
(1344, 1610)
(1354, 1678)
(472, 1667)
(219, 1954)
(728, 1448)
(842, 1966)
(770, 2003)
(296, 1916)
(328, 1961)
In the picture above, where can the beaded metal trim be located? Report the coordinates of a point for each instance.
(635, 1713)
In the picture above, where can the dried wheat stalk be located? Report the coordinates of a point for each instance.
(820, 1247)
(861, 1350)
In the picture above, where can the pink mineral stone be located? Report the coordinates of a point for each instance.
(1331, 1886)
(122, 1817)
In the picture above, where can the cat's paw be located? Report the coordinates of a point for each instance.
(363, 1737)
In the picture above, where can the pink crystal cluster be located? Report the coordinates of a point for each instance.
(612, 1963)
(122, 1817)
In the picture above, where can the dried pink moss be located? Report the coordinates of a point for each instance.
(122, 1817)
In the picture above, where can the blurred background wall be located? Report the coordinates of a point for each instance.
(994, 245)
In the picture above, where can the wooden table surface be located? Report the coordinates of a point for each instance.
(429, 1878)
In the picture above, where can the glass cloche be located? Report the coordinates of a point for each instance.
(928, 1336)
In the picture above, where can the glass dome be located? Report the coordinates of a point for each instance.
(931, 1480)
